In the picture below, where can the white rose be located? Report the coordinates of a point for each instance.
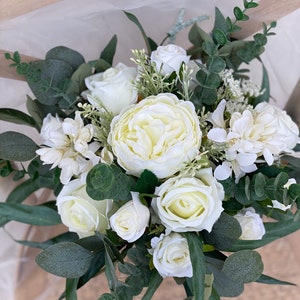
(131, 219)
(79, 212)
(112, 89)
(189, 203)
(169, 58)
(171, 255)
(251, 224)
(160, 133)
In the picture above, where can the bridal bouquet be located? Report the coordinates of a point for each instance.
(176, 166)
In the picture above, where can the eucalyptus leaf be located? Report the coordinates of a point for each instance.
(147, 182)
(29, 214)
(17, 117)
(78, 78)
(65, 259)
(70, 56)
(225, 232)
(270, 280)
(219, 37)
(243, 266)
(109, 182)
(220, 22)
(265, 86)
(16, 146)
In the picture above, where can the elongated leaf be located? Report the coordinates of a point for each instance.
(109, 51)
(198, 263)
(270, 280)
(17, 117)
(16, 146)
(71, 288)
(155, 282)
(265, 85)
(134, 19)
(22, 191)
(65, 259)
(35, 215)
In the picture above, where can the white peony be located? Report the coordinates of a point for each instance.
(112, 89)
(189, 203)
(131, 219)
(79, 212)
(169, 58)
(171, 255)
(161, 133)
(251, 223)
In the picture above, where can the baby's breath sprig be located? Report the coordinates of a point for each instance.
(186, 77)
(150, 81)
(101, 120)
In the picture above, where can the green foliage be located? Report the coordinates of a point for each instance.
(65, 259)
(109, 51)
(224, 234)
(251, 270)
(36, 215)
(16, 146)
(109, 182)
(146, 183)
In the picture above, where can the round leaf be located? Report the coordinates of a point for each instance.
(243, 266)
(71, 57)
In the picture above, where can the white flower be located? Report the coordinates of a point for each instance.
(112, 89)
(189, 203)
(79, 212)
(279, 205)
(251, 224)
(131, 219)
(171, 255)
(169, 58)
(160, 133)
(70, 146)
(290, 182)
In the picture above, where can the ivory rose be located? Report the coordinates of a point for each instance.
(169, 58)
(79, 212)
(161, 133)
(189, 203)
(131, 219)
(112, 89)
(171, 255)
(251, 224)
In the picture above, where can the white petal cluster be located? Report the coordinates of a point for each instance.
(69, 146)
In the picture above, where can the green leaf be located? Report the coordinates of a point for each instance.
(238, 13)
(209, 48)
(265, 85)
(220, 22)
(215, 64)
(35, 215)
(135, 20)
(225, 232)
(71, 288)
(146, 183)
(198, 264)
(67, 55)
(154, 283)
(17, 117)
(109, 51)
(78, 79)
(243, 266)
(16, 146)
(208, 79)
(219, 37)
(109, 182)
(22, 191)
(65, 259)
(270, 280)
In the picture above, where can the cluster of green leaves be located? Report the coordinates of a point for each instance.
(219, 50)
